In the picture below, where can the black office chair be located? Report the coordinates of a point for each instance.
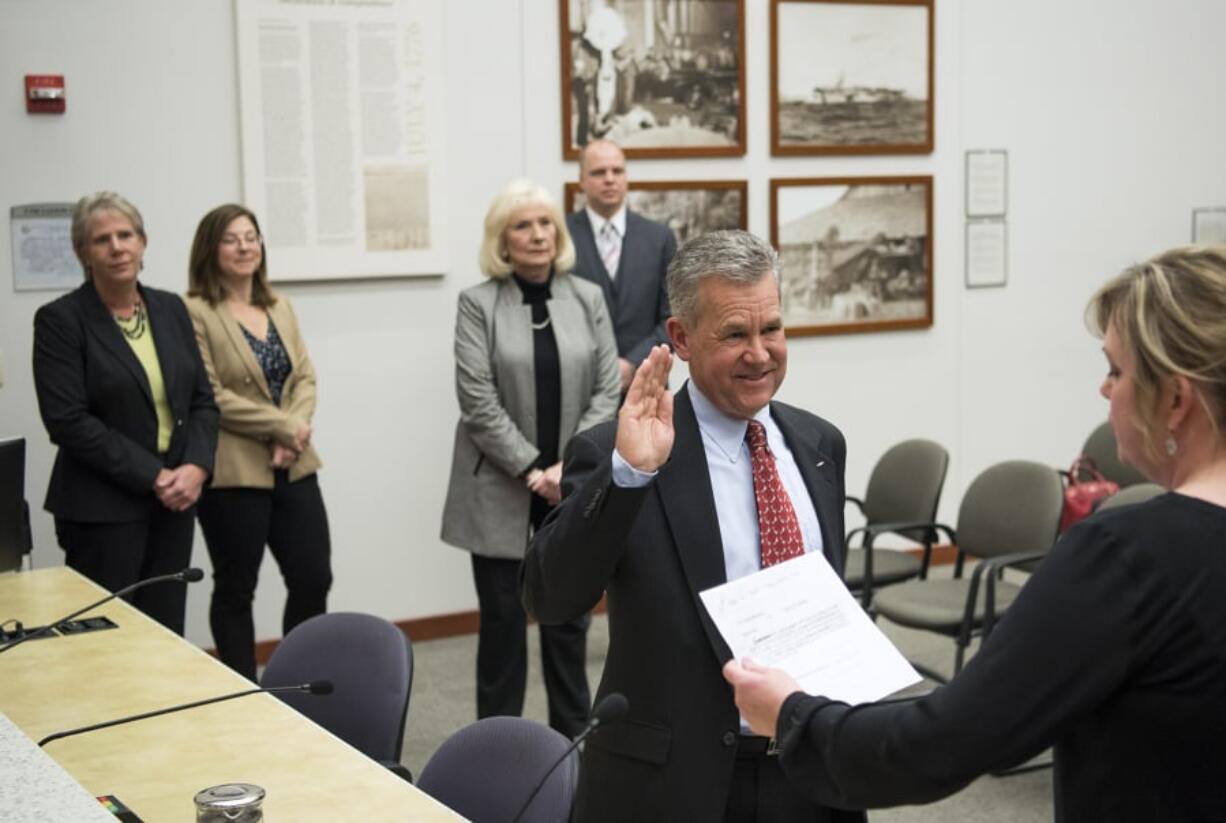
(904, 489)
(15, 536)
(487, 770)
(370, 663)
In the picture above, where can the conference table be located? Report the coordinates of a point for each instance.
(156, 766)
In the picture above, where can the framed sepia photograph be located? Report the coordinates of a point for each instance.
(661, 78)
(851, 77)
(855, 253)
(689, 208)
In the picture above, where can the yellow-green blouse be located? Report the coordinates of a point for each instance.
(139, 335)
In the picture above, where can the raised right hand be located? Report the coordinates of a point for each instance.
(645, 421)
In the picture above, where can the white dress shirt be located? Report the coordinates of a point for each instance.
(731, 471)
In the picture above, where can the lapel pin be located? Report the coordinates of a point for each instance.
(821, 463)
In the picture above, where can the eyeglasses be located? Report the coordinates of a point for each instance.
(249, 239)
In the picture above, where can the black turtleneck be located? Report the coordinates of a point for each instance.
(548, 384)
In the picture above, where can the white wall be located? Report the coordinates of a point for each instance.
(1107, 110)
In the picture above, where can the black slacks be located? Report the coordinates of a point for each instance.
(115, 555)
(238, 522)
(502, 652)
(761, 793)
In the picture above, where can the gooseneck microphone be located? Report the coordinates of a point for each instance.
(314, 687)
(612, 707)
(191, 575)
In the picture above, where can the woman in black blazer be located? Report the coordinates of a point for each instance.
(124, 395)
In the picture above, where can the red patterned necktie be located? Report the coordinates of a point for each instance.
(778, 528)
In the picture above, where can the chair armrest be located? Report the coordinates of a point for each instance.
(992, 567)
(859, 503)
(871, 530)
(1004, 561)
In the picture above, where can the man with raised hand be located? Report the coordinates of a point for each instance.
(680, 494)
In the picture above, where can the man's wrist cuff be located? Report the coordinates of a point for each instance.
(628, 477)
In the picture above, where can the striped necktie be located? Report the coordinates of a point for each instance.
(610, 248)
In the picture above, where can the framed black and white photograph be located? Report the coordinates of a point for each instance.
(855, 253)
(661, 78)
(851, 77)
(689, 208)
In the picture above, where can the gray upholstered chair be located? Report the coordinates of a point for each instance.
(1129, 495)
(370, 663)
(904, 488)
(487, 771)
(1009, 515)
(1101, 448)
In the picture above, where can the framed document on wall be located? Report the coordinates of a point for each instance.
(661, 78)
(343, 136)
(1209, 225)
(987, 253)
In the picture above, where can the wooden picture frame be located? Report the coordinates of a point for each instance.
(851, 77)
(855, 253)
(689, 208)
(661, 78)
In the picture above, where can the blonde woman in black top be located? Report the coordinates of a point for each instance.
(1115, 650)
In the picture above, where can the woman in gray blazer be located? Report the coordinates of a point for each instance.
(536, 362)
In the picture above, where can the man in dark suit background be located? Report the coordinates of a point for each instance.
(625, 254)
(670, 500)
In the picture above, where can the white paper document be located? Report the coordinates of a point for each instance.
(42, 247)
(987, 253)
(987, 183)
(798, 616)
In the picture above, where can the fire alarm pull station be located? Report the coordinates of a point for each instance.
(45, 93)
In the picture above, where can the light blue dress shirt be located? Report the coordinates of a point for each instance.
(731, 470)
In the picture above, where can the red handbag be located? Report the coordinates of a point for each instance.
(1085, 487)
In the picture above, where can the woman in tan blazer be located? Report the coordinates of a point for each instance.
(264, 489)
(536, 362)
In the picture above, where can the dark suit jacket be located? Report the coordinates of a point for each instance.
(97, 406)
(638, 296)
(654, 549)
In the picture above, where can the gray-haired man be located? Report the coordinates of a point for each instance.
(664, 503)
